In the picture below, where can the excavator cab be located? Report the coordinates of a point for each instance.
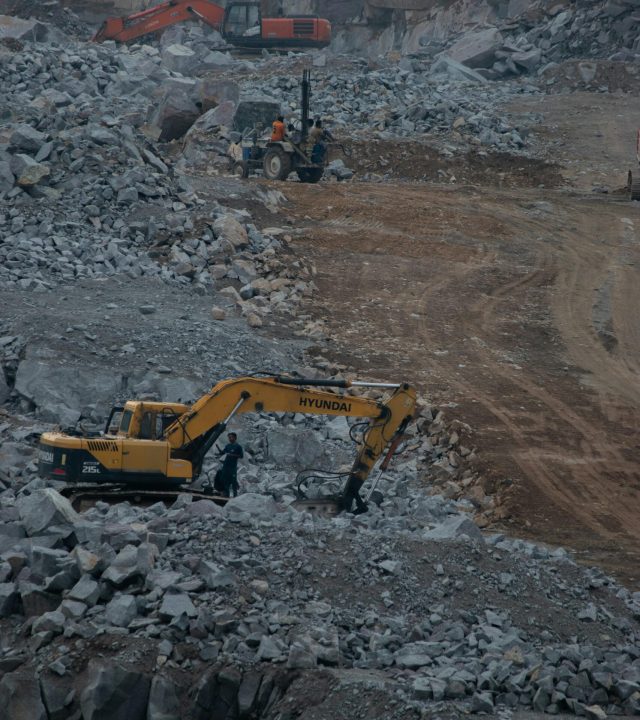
(242, 19)
(148, 420)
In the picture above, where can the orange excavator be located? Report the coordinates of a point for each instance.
(240, 24)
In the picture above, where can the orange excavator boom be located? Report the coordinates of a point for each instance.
(158, 18)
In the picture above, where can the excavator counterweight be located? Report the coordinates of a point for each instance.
(159, 445)
(240, 23)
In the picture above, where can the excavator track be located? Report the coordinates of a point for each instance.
(82, 497)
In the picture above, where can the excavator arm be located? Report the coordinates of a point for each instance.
(193, 434)
(158, 18)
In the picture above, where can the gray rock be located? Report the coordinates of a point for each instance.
(477, 49)
(176, 604)
(7, 181)
(121, 610)
(529, 60)
(268, 649)
(18, 29)
(179, 58)
(163, 700)
(42, 509)
(301, 656)
(73, 609)
(86, 590)
(215, 576)
(453, 527)
(115, 693)
(456, 70)
(53, 622)
(27, 171)
(20, 692)
(482, 702)
(60, 393)
(174, 113)
(213, 92)
(299, 448)
(27, 139)
(56, 698)
(228, 230)
(251, 505)
(8, 599)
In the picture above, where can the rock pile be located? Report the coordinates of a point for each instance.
(531, 37)
(412, 590)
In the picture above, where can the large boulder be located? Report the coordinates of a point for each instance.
(61, 392)
(174, 113)
(163, 700)
(115, 693)
(227, 228)
(43, 508)
(16, 28)
(477, 49)
(213, 92)
(20, 697)
(297, 448)
(179, 58)
(251, 505)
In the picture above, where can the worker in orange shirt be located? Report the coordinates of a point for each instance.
(277, 130)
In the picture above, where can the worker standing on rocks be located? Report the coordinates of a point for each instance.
(227, 476)
(278, 129)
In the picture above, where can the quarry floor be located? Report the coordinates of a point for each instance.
(510, 296)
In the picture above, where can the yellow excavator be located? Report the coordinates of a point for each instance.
(160, 445)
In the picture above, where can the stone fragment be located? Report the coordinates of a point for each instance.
(56, 698)
(114, 693)
(27, 171)
(214, 575)
(250, 505)
(477, 49)
(176, 604)
(121, 610)
(228, 230)
(8, 599)
(163, 700)
(41, 509)
(20, 694)
(453, 527)
(174, 113)
(27, 139)
(53, 622)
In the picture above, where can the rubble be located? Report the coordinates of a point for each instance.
(109, 162)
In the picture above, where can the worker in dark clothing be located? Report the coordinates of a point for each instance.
(317, 137)
(278, 130)
(227, 476)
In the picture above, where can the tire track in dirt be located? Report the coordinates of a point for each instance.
(486, 300)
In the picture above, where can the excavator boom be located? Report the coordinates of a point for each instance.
(158, 18)
(164, 444)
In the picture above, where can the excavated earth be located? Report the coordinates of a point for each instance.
(512, 295)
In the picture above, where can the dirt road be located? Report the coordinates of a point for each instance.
(518, 308)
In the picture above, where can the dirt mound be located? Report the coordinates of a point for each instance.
(606, 76)
(416, 161)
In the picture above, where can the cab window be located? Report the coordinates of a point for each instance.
(126, 421)
(237, 20)
(146, 427)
